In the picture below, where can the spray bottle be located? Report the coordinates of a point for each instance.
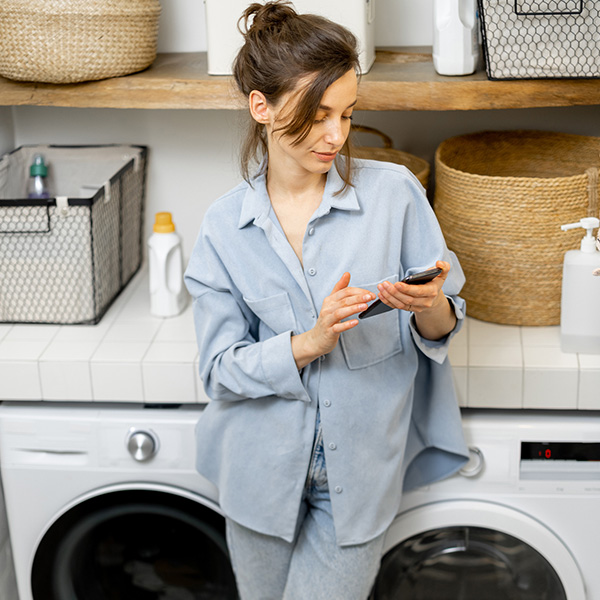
(580, 304)
(38, 172)
(167, 292)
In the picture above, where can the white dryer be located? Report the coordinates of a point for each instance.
(104, 502)
(521, 522)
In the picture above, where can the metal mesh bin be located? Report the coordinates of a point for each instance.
(65, 259)
(540, 39)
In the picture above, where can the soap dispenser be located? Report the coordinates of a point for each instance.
(167, 292)
(580, 304)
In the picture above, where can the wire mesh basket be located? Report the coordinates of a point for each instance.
(65, 259)
(540, 39)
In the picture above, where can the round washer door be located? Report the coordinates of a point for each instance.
(468, 550)
(134, 545)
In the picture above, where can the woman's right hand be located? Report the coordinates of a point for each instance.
(343, 302)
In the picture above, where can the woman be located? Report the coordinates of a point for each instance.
(318, 419)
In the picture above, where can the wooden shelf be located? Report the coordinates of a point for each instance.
(400, 79)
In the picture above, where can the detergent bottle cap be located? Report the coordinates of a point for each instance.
(163, 223)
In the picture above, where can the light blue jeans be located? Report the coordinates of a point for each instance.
(313, 567)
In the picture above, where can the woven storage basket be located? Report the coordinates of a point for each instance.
(416, 165)
(68, 41)
(501, 198)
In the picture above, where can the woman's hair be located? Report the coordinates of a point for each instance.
(281, 49)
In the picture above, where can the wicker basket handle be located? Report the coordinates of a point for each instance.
(592, 174)
(387, 141)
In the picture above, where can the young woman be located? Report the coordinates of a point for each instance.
(318, 419)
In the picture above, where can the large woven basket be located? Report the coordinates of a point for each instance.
(501, 198)
(68, 41)
(416, 165)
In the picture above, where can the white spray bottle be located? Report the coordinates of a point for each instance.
(167, 292)
(580, 304)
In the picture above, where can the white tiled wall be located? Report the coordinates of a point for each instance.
(523, 367)
(130, 356)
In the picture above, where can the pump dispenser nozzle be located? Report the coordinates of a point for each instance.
(588, 243)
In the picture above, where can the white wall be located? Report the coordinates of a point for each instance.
(397, 23)
(193, 153)
(7, 132)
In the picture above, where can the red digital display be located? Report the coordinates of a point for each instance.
(578, 451)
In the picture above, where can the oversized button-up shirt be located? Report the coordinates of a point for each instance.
(388, 410)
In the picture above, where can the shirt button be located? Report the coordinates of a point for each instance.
(322, 357)
(327, 402)
(338, 489)
(312, 271)
(311, 231)
(332, 446)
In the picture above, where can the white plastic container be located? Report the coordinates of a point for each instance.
(580, 304)
(167, 292)
(224, 40)
(455, 37)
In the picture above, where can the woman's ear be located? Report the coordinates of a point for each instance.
(259, 109)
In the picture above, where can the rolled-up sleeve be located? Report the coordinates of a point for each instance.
(437, 350)
(422, 246)
(234, 365)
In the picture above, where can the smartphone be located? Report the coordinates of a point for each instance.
(378, 307)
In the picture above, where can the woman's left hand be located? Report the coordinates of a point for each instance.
(415, 298)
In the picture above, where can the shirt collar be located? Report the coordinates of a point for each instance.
(256, 205)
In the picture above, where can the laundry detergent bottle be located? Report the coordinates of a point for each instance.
(455, 36)
(167, 292)
(580, 304)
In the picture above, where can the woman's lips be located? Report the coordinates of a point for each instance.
(325, 156)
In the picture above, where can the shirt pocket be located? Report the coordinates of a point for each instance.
(374, 339)
(275, 314)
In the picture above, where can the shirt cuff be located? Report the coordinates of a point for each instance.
(437, 350)
(280, 368)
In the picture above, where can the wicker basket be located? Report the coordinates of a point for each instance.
(67, 41)
(501, 198)
(416, 165)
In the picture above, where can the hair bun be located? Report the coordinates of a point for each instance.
(268, 16)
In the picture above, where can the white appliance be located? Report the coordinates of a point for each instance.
(224, 39)
(105, 502)
(520, 523)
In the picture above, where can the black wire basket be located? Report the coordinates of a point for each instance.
(540, 39)
(65, 259)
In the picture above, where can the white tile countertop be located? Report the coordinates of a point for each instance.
(131, 356)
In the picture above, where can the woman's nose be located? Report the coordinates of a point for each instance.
(336, 133)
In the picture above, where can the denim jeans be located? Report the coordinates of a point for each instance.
(313, 567)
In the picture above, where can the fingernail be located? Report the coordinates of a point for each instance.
(368, 297)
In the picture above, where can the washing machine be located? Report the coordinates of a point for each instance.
(521, 521)
(104, 502)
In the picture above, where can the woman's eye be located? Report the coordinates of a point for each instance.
(347, 117)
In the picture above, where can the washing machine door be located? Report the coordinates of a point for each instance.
(469, 550)
(134, 545)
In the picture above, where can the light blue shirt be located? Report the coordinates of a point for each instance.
(389, 414)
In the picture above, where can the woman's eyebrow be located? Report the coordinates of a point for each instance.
(323, 107)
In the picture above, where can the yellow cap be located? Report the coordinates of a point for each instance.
(163, 223)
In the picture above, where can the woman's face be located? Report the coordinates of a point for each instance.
(316, 153)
